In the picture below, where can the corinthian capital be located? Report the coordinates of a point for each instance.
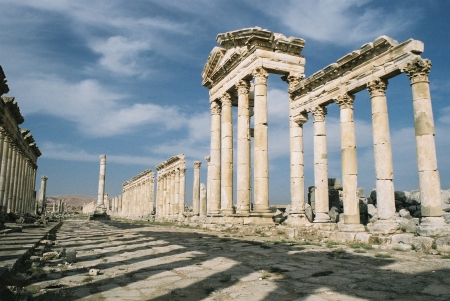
(260, 75)
(377, 87)
(345, 101)
(215, 108)
(418, 69)
(197, 164)
(243, 86)
(301, 118)
(226, 99)
(293, 81)
(318, 113)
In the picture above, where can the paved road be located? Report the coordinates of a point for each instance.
(142, 262)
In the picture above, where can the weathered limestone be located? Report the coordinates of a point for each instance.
(42, 193)
(100, 207)
(19, 153)
(226, 196)
(243, 149)
(261, 156)
(196, 189)
(349, 159)
(214, 206)
(208, 180)
(246, 54)
(320, 165)
(202, 211)
(171, 182)
(137, 197)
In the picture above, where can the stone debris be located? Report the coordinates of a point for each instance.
(94, 272)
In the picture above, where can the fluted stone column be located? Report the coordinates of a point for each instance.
(243, 149)
(100, 207)
(349, 159)
(202, 210)
(226, 199)
(158, 194)
(177, 192)
(11, 180)
(382, 149)
(42, 192)
(164, 195)
(429, 180)
(6, 156)
(297, 213)
(320, 165)
(182, 190)
(20, 199)
(208, 180)
(214, 205)
(196, 188)
(261, 156)
(172, 192)
(6, 199)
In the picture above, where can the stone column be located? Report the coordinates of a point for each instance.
(202, 211)
(182, 189)
(243, 149)
(208, 180)
(196, 190)
(42, 193)
(429, 181)
(164, 195)
(214, 206)
(54, 207)
(12, 179)
(226, 199)
(6, 199)
(382, 149)
(120, 204)
(172, 192)
(20, 200)
(113, 205)
(15, 179)
(297, 214)
(320, 165)
(349, 159)
(158, 194)
(6, 158)
(101, 186)
(177, 192)
(261, 156)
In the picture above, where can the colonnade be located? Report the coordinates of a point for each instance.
(19, 153)
(304, 102)
(171, 187)
(137, 197)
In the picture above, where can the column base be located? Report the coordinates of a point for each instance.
(257, 218)
(322, 218)
(342, 227)
(225, 212)
(261, 209)
(385, 226)
(297, 219)
(433, 226)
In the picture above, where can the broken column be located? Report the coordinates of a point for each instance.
(100, 206)
(202, 211)
(42, 192)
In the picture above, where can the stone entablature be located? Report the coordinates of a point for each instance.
(137, 195)
(382, 58)
(246, 49)
(171, 187)
(19, 153)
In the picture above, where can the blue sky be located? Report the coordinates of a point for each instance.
(122, 78)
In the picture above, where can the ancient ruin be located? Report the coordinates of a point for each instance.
(19, 155)
(138, 195)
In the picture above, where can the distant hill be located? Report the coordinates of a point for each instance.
(73, 200)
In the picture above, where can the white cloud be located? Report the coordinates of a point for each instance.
(344, 22)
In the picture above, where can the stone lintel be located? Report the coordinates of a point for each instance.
(344, 77)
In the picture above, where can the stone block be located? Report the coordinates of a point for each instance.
(309, 213)
(363, 237)
(405, 213)
(292, 233)
(442, 244)
(402, 239)
(420, 243)
(334, 214)
(346, 237)
(401, 247)
(372, 210)
(373, 196)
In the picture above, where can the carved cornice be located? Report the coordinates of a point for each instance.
(260, 75)
(418, 70)
(377, 87)
(13, 108)
(226, 100)
(318, 113)
(215, 108)
(197, 164)
(243, 87)
(3, 86)
(345, 101)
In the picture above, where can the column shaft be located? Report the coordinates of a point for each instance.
(261, 156)
(214, 206)
(182, 189)
(382, 149)
(320, 166)
(177, 192)
(226, 199)
(101, 184)
(196, 188)
(297, 164)
(3, 172)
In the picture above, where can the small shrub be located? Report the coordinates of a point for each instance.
(380, 255)
(88, 279)
(360, 251)
(340, 250)
(445, 256)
